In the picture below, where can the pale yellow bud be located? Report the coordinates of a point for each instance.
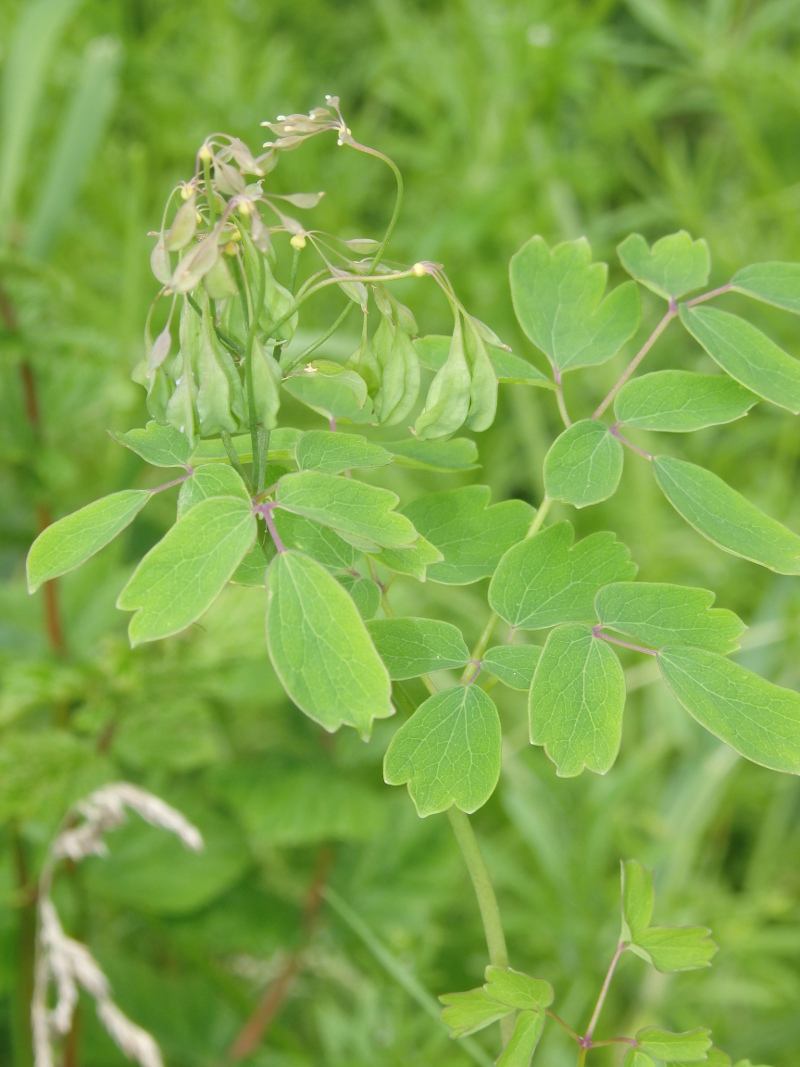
(230, 249)
(418, 270)
(298, 241)
(205, 154)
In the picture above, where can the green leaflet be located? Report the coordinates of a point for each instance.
(675, 948)
(312, 539)
(558, 299)
(528, 1029)
(348, 506)
(517, 990)
(667, 948)
(513, 665)
(583, 465)
(471, 535)
(680, 401)
(411, 647)
(161, 446)
(448, 398)
(448, 752)
(69, 542)
(725, 516)
(546, 580)
(690, 1047)
(637, 899)
(320, 648)
(252, 571)
(774, 283)
(332, 453)
(332, 391)
(466, 1013)
(457, 454)
(212, 479)
(510, 368)
(637, 1058)
(673, 266)
(185, 572)
(365, 593)
(659, 614)
(759, 720)
(747, 354)
(576, 701)
(414, 560)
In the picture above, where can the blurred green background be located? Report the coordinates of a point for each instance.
(563, 118)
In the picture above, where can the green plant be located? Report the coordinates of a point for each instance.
(264, 504)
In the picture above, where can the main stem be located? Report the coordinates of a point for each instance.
(487, 901)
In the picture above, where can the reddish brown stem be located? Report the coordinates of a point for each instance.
(254, 1030)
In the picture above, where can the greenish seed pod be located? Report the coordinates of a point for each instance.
(183, 226)
(266, 386)
(448, 399)
(180, 411)
(218, 381)
(159, 391)
(483, 391)
(400, 375)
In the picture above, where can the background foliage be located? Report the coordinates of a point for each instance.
(507, 119)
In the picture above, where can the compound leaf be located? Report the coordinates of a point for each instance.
(448, 751)
(680, 401)
(576, 701)
(673, 266)
(348, 506)
(747, 354)
(332, 453)
(689, 1047)
(470, 534)
(466, 1013)
(517, 990)
(513, 665)
(546, 580)
(725, 516)
(320, 647)
(161, 446)
(759, 720)
(411, 647)
(69, 542)
(558, 299)
(675, 948)
(637, 899)
(528, 1029)
(584, 464)
(185, 572)
(660, 614)
(212, 479)
(773, 283)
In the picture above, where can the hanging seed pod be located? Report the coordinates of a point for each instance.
(219, 283)
(180, 411)
(399, 367)
(160, 350)
(227, 179)
(266, 385)
(159, 262)
(220, 397)
(195, 265)
(404, 317)
(183, 226)
(483, 391)
(448, 399)
(364, 363)
(159, 391)
(277, 302)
